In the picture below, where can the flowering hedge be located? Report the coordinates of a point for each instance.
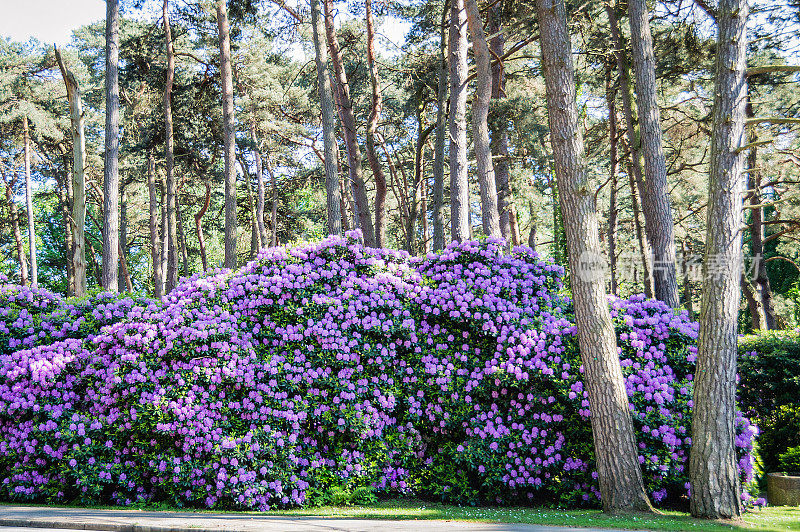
(332, 367)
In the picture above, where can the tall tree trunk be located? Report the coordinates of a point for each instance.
(349, 130)
(687, 284)
(29, 204)
(613, 168)
(78, 177)
(67, 210)
(619, 474)
(62, 189)
(169, 154)
(459, 182)
(441, 132)
(713, 468)
(155, 236)
(273, 217)
(345, 199)
(111, 169)
(513, 224)
(95, 262)
(758, 319)
(424, 210)
(632, 132)
(532, 232)
(764, 289)
(122, 278)
(559, 237)
(164, 230)
(262, 231)
(255, 237)
(372, 129)
(14, 215)
(419, 172)
(401, 193)
(656, 203)
(182, 238)
(490, 216)
(641, 237)
(348, 205)
(198, 225)
(229, 128)
(333, 191)
(123, 266)
(752, 287)
(499, 142)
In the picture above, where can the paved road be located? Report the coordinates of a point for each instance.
(28, 529)
(13, 518)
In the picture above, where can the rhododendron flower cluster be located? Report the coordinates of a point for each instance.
(332, 365)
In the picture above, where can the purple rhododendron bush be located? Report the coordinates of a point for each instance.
(333, 369)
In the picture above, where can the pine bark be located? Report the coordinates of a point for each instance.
(758, 319)
(655, 201)
(34, 270)
(372, 130)
(255, 237)
(532, 230)
(62, 189)
(459, 181)
(619, 474)
(687, 284)
(753, 290)
(513, 224)
(349, 129)
(155, 235)
(262, 231)
(332, 189)
(499, 137)
(198, 225)
(123, 278)
(273, 217)
(424, 210)
(229, 134)
(110, 272)
(634, 140)
(182, 237)
(762, 283)
(79, 265)
(490, 216)
(613, 169)
(164, 240)
(641, 237)
(713, 468)
(169, 155)
(441, 133)
(125, 281)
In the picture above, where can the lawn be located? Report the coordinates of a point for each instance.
(773, 519)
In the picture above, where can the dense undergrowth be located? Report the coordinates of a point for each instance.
(333, 369)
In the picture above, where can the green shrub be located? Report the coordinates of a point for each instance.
(769, 371)
(790, 460)
(769, 387)
(363, 495)
(779, 432)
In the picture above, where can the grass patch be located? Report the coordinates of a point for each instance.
(771, 519)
